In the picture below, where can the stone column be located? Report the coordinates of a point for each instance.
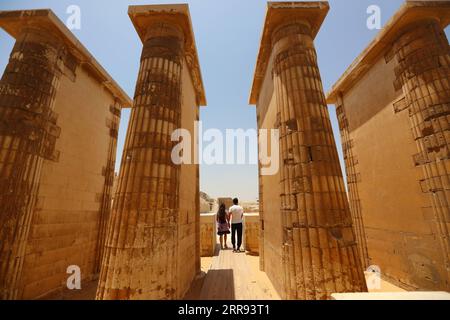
(28, 134)
(422, 56)
(320, 254)
(198, 266)
(108, 187)
(261, 211)
(353, 181)
(140, 259)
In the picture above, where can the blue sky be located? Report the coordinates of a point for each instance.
(227, 34)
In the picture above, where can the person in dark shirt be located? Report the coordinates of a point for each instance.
(223, 226)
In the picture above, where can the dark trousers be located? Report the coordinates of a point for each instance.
(236, 227)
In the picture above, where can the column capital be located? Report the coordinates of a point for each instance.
(172, 20)
(17, 23)
(410, 13)
(164, 29)
(280, 14)
(290, 27)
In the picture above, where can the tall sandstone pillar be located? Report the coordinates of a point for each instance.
(422, 71)
(108, 188)
(142, 238)
(320, 251)
(28, 134)
(318, 246)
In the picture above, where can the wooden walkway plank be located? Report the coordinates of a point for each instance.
(235, 276)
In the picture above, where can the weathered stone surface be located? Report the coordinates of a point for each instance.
(153, 242)
(251, 233)
(50, 215)
(228, 202)
(423, 69)
(306, 220)
(57, 181)
(423, 295)
(208, 236)
(148, 207)
(392, 105)
(29, 132)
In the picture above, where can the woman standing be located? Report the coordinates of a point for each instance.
(223, 226)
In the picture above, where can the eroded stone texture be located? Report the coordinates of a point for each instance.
(141, 248)
(208, 236)
(353, 179)
(152, 250)
(108, 188)
(251, 233)
(304, 214)
(392, 106)
(228, 202)
(54, 98)
(261, 216)
(197, 211)
(422, 54)
(28, 133)
(320, 255)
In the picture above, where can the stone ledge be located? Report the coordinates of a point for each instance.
(416, 295)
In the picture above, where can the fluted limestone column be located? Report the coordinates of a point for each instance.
(261, 212)
(140, 260)
(108, 187)
(320, 255)
(28, 134)
(423, 73)
(353, 181)
(198, 266)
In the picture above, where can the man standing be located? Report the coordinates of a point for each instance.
(236, 213)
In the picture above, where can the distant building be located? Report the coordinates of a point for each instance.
(227, 201)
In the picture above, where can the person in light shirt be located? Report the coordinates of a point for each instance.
(236, 213)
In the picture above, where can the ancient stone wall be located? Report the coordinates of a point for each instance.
(228, 202)
(271, 236)
(251, 233)
(58, 130)
(147, 201)
(208, 236)
(310, 214)
(422, 55)
(189, 220)
(394, 123)
(74, 194)
(28, 136)
(382, 180)
(155, 222)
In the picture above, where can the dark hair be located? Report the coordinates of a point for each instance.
(235, 201)
(222, 214)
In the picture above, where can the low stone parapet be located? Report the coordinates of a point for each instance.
(208, 237)
(251, 233)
